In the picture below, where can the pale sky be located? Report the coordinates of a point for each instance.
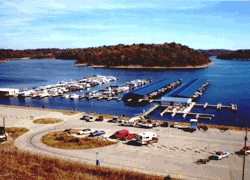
(27, 24)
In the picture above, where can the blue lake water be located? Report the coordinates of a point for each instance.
(229, 83)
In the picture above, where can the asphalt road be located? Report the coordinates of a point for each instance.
(175, 154)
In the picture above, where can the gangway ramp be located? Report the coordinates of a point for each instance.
(152, 109)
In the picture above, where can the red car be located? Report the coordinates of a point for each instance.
(100, 118)
(129, 136)
(246, 150)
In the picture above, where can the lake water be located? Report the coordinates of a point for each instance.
(229, 83)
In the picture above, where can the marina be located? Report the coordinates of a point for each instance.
(220, 89)
(181, 101)
(175, 98)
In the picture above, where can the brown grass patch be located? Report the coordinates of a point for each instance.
(23, 165)
(15, 132)
(47, 121)
(66, 141)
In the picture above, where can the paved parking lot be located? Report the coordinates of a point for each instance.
(174, 154)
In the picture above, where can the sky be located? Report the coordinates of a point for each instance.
(33, 24)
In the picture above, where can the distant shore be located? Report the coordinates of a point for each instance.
(146, 67)
(5, 60)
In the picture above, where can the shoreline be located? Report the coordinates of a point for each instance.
(122, 67)
(3, 61)
(147, 67)
(68, 112)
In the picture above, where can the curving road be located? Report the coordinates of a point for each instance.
(174, 154)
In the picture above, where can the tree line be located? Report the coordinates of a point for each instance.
(236, 55)
(166, 55)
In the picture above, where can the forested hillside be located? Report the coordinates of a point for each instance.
(165, 55)
(215, 52)
(31, 53)
(236, 55)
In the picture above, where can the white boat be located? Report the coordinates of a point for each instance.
(65, 96)
(145, 125)
(74, 96)
(25, 94)
(43, 95)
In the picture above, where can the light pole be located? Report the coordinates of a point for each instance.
(243, 171)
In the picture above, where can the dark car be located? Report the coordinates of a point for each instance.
(85, 117)
(96, 133)
(100, 118)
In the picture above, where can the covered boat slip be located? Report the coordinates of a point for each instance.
(188, 89)
(152, 90)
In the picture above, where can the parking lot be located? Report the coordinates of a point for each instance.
(175, 153)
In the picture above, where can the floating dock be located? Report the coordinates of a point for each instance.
(219, 106)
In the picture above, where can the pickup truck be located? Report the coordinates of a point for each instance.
(120, 134)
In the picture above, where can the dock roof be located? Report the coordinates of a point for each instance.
(152, 87)
(175, 99)
(187, 90)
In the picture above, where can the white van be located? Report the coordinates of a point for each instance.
(146, 138)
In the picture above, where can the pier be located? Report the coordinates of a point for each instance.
(151, 110)
(219, 106)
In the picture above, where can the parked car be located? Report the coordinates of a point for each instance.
(3, 137)
(120, 134)
(165, 124)
(115, 119)
(68, 130)
(246, 150)
(100, 118)
(91, 119)
(126, 123)
(96, 133)
(85, 131)
(220, 155)
(85, 117)
(129, 136)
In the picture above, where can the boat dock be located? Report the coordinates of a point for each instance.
(150, 92)
(219, 106)
(151, 110)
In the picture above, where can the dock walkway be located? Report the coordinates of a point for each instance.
(151, 110)
(219, 106)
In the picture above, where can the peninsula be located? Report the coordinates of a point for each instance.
(146, 56)
(143, 56)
